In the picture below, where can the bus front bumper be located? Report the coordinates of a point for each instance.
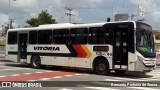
(140, 66)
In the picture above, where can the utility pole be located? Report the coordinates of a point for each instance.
(9, 14)
(10, 23)
(113, 10)
(69, 13)
(9, 18)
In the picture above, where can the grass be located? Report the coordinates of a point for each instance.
(2, 43)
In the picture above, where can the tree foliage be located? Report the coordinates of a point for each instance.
(43, 18)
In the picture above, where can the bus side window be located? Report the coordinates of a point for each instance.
(93, 35)
(79, 35)
(33, 37)
(12, 37)
(60, 36)
(44, 36)
(108, 35)
(98, 35)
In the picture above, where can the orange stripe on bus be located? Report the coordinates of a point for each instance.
(87, 51)
(82, 51)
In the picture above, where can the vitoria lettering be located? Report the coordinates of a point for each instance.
(47, 48)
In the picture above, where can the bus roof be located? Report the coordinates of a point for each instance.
(65, 25)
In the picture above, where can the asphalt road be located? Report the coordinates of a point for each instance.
(56, 78)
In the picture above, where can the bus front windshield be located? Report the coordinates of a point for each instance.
(145, 41)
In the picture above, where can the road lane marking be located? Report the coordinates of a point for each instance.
(39, 72)
(68, 75)
(32, 80)
(52, 71)
(27, 73)
(111, 80)
(15, 75)
(3, 76)
(58, 77)
(66, 89)
(13, 69)
(44, 79)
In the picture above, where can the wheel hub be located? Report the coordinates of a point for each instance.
(102, 67)
(36, 62)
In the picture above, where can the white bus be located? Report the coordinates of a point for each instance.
(101, 47)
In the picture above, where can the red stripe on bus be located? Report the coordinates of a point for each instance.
(77, 50)
(81, 52)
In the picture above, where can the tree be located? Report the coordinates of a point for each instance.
(43, 18)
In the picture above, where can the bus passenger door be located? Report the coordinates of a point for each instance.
(22, 47)
(120, 47)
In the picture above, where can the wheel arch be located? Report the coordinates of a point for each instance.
(97, 59)
(34, 55)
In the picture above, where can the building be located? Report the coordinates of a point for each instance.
(156, 34)
(157, 39)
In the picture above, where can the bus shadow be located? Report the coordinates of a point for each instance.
(80, 70)
(5, 60)
(131, 75)
(17, 65)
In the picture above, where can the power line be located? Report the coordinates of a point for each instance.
(152, 12)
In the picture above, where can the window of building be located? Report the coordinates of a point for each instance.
(157, 47)
(60, 36)
(44, 36)
(157, 37)
(12, 38)
(33, 37)
(79, 36)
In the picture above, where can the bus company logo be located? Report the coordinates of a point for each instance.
(47, 48)
(6, 84)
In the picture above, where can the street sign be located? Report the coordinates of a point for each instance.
(141, 11)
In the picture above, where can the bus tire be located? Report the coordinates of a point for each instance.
(35, 62)
(101, 67)
(120, 71)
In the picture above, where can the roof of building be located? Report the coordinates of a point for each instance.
(156, 32)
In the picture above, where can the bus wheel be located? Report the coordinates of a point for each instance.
(101, 67)
(35, 62)
(120, 71)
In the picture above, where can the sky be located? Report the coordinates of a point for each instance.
(84, 11)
